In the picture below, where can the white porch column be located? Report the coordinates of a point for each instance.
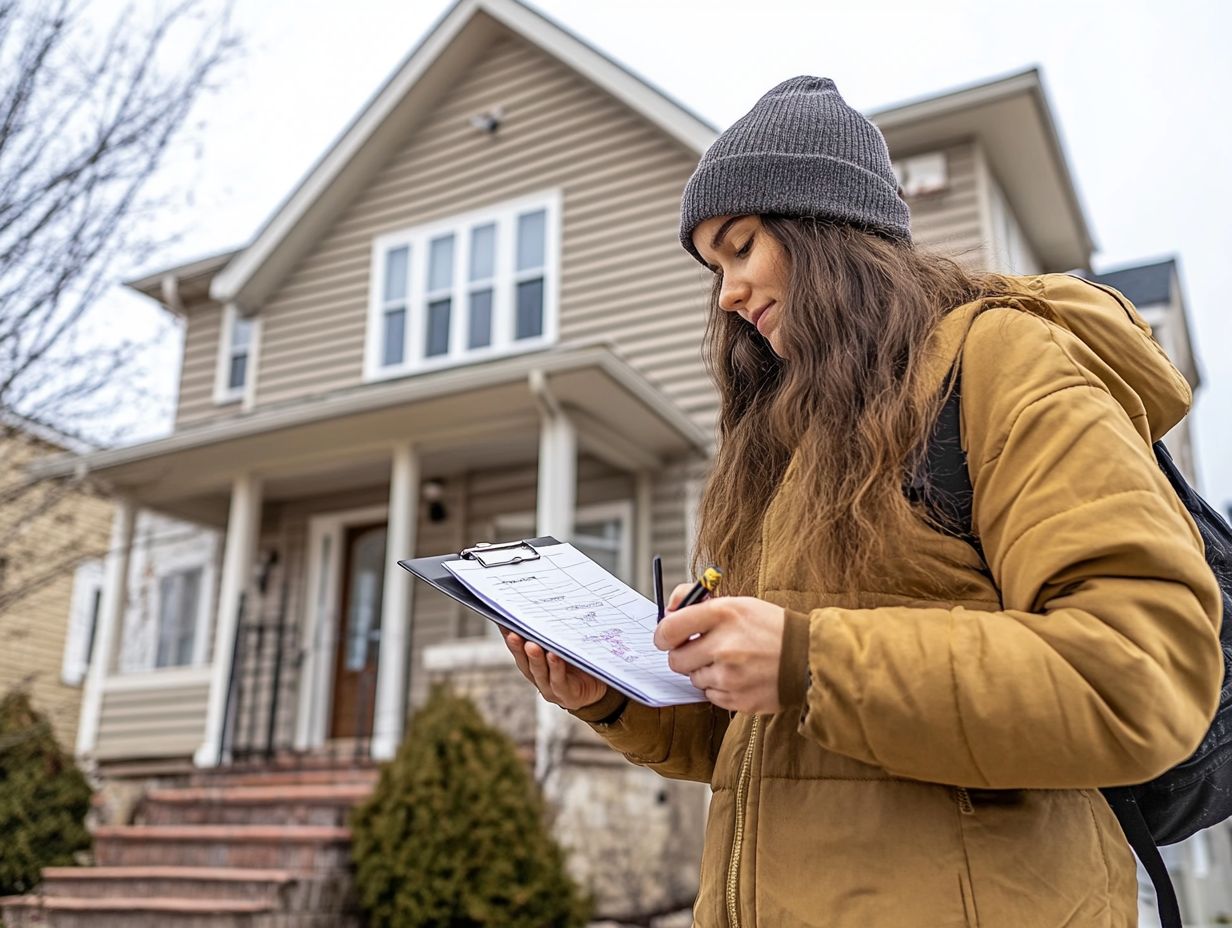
(390, 710)
(643, 514)
(556, 501)
(110, 624)
(556, 498)
(239, 552)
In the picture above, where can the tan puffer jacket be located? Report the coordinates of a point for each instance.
(944, 736)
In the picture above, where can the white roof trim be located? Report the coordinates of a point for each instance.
(668, 115)
(563, 359)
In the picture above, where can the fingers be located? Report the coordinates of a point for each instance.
(514, 644)
(558, 679)
(677, 595)
(679, 627)
(537, 658)
(691, 656)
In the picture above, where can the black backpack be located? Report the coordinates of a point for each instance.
(1194, 794)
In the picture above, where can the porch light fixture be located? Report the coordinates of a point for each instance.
(489, 120)
(433, 492)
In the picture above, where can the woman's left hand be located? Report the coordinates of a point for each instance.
(735, 661)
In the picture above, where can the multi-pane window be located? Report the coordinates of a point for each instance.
(179, 600)
(393, 313)
(476, 286)
(235, 356)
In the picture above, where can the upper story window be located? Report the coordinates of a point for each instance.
(472, 287)
(234, 356)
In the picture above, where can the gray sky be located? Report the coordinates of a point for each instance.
(1139, 91)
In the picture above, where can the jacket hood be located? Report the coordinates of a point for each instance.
(1110, 326)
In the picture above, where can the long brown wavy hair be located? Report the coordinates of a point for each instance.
(858, 310)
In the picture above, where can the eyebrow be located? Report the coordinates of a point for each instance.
(717, 241)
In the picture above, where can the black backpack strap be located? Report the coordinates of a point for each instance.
(946, 485)
(1124, 805)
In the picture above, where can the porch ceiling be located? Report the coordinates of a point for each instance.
(479, 415)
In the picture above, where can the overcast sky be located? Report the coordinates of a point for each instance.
(1139, 91)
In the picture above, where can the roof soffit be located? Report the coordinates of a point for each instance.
(1012, 122)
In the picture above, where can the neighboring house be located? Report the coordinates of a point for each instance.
(1155, 290)
(473, 321)
(51, 534)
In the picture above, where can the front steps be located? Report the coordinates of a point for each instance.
(253, 848)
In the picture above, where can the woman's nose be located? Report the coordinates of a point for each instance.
(734, 295)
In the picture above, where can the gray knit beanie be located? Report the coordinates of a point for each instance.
(800, 151)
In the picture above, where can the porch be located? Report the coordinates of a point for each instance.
(314, 640)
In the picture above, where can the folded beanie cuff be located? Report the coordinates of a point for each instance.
(789, 184)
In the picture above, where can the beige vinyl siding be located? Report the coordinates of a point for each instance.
(199, 367)
(46, 529)
(165, 722)
(624, 276)
(950, 222)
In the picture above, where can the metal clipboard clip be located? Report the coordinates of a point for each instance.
(498, 555)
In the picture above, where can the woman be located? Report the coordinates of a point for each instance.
(904, 728)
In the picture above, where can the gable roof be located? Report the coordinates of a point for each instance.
(451, 45)
(1142, 284)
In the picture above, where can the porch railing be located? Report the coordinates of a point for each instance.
(266, 662)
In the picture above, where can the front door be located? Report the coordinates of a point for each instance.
(359, 631)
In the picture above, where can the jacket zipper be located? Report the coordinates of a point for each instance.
(733, 865)
(964, 800)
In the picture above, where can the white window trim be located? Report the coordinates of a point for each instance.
(172, 562)
(166, 560)
(224, 395)
(87, 581)
(504, 214)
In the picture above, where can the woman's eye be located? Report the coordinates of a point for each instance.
(743, 251)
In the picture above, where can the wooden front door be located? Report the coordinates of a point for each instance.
(359, 631)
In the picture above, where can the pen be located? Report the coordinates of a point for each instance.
(657, 569)
(705, 586)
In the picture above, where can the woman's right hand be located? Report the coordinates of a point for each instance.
(556, 681)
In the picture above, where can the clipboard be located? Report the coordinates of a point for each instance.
(431, 570)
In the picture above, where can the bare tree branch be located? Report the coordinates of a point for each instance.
(88, 116)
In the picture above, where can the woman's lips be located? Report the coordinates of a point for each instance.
(761, 315)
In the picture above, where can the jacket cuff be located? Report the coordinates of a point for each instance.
(606, 711)
(793, 659)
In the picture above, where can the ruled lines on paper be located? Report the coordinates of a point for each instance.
(594, 620)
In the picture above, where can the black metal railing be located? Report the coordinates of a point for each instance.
(267, 660)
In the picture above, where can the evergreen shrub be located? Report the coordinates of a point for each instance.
(454, 835)
(44, 797)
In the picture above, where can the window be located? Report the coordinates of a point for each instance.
(235, 356)
(82, 622)
(179, 601)
(473, 287)
(922, 174)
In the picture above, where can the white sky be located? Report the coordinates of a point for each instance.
(1139, 91)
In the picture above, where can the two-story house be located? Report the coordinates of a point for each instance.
(471, 320)
(51, 534)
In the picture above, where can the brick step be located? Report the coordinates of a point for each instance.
(135, 912)
(289, 804)
(177, 882)
(300, 848)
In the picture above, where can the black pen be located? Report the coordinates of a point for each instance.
(705, 586)
(656, 567)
